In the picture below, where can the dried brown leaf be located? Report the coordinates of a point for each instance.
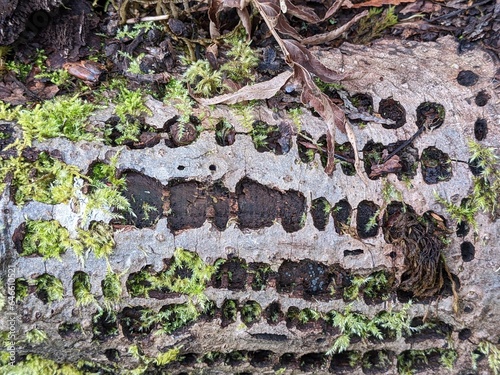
(379, 3)
(300, 55)
(302, 12)
(327, 37)
(391, 165)
(332, 115)
(259, 91)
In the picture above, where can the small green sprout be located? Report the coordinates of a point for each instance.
(7, 113)
(134, 66)
(391, 193)
(372, 221)
(229, 309)
(172, 317)
(351, 292)
(372, 26)
(295, 114)
(128, 32)
(98, 239)
(307, 315)
(243, 61)
(484, 196)
(111, 287)
(177, 95)
(59, 77)
(245, 113)
(205, 81)
(21, 287)
(448, 358)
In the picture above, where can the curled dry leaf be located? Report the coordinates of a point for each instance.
(392, 165)
(259, 91)
(331, 114)
(327, 37)
(379, 3)
(300, 55)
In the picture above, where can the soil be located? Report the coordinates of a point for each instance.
(480, 129)
(306, 279)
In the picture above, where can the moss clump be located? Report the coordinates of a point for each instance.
(111, 288)
(37, 365)
(186, 274)
(61, 116)
(486, 186)
(46, 238)
(35, 336)
(45, 180)
(49, 288)
(98, 239)
(81, 289)
(350, 324)
(50, 240)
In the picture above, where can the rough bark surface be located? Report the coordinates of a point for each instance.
(410, 73)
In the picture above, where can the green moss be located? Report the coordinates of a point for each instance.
(21, 288)
(37, 365)
(61, 116)
(130, 102)
(106, 190)
(250, 312)
(492, 352)
(372, 26)
(356, 324)
(170, 355)
(7, 113)
(59, 77)
(187, 274)
(82, 289)
(486, 187)
(173, 317)
(98, 239)
(45, 180)
(204, 80)
(409, 360)
(242, 60)
(4, 358)
(35, 336)
(45, 238)
(111, 288)
(49, 288)
(177, 95)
